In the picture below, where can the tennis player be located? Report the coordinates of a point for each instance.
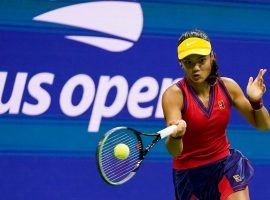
(204, 167)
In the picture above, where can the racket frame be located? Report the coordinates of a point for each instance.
(99, 152)
(143, 152)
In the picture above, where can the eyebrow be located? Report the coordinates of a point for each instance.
(201, 56)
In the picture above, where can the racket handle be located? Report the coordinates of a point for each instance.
(167, 131)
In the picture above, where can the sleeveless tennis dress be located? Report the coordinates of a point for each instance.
(207, 169)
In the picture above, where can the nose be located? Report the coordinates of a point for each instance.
(196, 66)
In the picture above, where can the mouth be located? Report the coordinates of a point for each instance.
(196, 76)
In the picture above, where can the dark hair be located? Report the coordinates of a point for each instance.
(193, 33)
(200, 34)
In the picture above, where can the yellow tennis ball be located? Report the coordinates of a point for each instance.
(121, 151)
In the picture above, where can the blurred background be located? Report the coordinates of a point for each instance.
(70, 70)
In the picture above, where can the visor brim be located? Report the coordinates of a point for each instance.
(186, 53)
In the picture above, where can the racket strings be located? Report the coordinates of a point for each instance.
(115, 140)
(107, 151)
(116, 170)
(107, 163)
(117, 177)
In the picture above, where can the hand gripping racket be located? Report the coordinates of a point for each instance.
(117, 171)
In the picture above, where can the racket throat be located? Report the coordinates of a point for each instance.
(147, 149)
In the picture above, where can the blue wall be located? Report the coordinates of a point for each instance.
(51, 154)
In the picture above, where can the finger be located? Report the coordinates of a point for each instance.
(250, 81)
(180, 122)
(184, 124)
(261, 73)
(263, 88)
(259, 78)
(264, 71)
(260, 81)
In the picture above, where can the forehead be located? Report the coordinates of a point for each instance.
(194, 57)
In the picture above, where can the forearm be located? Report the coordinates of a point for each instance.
(262, 119)
(174, 146)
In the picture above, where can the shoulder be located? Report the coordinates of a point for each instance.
(173, 93)
(229, 83)
(232, 87)
(173, 90)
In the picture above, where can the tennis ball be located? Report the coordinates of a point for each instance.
(121, 151)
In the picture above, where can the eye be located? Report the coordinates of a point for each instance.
(187, 62)
(202, 60)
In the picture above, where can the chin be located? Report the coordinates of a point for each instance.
(199, 80)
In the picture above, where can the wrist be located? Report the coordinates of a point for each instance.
(176, 137)
(256, 105)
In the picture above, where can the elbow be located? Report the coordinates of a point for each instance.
(174, 152)
(267, 127)
(261, 126)
(264, 127)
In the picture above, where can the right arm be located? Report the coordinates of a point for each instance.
(172, 101)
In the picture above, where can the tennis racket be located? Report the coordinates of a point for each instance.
(118, 171)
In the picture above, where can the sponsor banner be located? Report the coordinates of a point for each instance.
(112, 75)
(93, 61)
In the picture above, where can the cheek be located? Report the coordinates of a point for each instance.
(207, 66)
(186, 70)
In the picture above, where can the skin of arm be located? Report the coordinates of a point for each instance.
(257, 118)
(172, 101)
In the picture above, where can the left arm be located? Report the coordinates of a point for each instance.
(256, 115)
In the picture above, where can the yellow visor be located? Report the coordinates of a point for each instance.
(193, 45)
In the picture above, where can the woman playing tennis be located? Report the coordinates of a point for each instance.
(204, 167)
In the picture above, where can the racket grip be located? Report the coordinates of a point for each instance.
(167, 131)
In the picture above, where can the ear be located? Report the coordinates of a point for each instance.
(213, 56)
(179, 61)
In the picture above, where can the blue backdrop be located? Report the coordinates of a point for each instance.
(71, 70)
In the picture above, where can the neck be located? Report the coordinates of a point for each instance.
(201, 88)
